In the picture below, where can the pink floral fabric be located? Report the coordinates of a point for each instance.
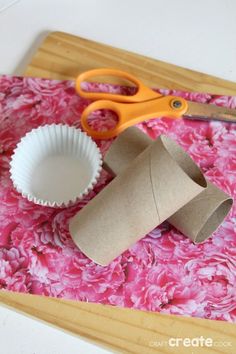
(164, 272)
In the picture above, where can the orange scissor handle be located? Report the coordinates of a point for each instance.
(131, 114)
(143, 92)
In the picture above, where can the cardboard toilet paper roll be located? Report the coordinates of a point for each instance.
(199, 217)
(160, 181)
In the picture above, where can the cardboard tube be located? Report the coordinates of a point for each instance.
(160, 181)
(200, 217)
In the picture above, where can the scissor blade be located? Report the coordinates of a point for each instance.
(210, 112)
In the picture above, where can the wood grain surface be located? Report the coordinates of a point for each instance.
(63, 56)
(124, 330)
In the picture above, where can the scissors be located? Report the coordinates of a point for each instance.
(141, 106)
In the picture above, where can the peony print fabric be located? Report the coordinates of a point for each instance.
(164, 272)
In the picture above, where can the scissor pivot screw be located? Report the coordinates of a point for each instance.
(176, 104)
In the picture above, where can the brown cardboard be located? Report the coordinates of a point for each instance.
(157, 183)
(199, 217)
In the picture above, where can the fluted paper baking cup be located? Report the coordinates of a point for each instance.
(55, 165)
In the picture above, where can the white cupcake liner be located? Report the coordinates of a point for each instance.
(55, 165)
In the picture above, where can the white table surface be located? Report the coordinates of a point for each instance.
(199, 35)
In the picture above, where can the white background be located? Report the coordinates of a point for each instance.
(200, 35)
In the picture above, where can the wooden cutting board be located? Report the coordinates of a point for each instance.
(63, 56)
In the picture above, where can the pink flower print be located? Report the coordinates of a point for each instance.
(6, 234)
(163, 272)
(215, 274)
(225, 101)
(11, 262)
